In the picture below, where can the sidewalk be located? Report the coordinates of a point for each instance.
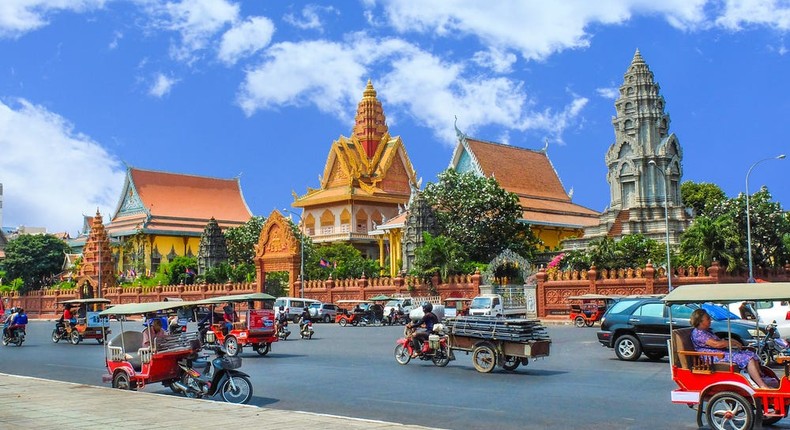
(52, 405)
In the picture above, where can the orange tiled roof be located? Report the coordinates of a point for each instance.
(395, 222)
(530, 175)
(178, 202)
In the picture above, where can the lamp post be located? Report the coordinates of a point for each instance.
(301, 253)
(748, 224)
(666, 223)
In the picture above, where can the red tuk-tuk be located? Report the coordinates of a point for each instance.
(711, 385)
(362, 313)
(131, 365)
(590, 308)
(253, 326)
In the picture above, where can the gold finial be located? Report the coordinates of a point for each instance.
(369, 90)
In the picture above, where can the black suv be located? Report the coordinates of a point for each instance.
(636, 325)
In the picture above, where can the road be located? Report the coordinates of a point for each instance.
(351, 372)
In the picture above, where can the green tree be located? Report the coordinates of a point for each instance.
(438, 254)
(176, 270)
(241, 241)
(707, 239)
(35, 259)
(703, 197)
(477, 213)
(342, 260)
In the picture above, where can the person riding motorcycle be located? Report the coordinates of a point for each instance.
(7, 321)
(69, 318)
(428, 319)
(282, 319)
(304, 318)
(17, 321)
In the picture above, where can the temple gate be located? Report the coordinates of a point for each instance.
(278, 250)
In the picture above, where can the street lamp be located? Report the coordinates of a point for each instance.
(748, 224)
(666, 223)
(301, 253)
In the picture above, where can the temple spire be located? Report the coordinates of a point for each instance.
(637, 58)
(369, 124)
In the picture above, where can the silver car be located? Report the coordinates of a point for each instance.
(322, 312)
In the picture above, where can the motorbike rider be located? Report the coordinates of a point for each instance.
(282, 319)
(229, 317)
(428, 319)
(304, 318)
(68, 318)
(18, 321)
(8, 319)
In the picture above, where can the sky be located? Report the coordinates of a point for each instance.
(260, 89)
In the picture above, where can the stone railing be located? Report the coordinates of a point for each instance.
(554, 287)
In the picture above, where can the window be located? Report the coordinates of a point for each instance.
(621, 306)
(651, 310)
(681, 311)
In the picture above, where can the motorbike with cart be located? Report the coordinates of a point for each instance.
(716, 387)
(89, 325)
(590, 308)
(363, 313)
(255, 326)
(172, 359)
(437, 349)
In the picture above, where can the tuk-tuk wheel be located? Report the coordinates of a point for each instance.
(579, 322)
(232, 346)
(263, 348)
(100, 340)
(343, 322)
(123, 381)
(589, 323)
(75, 338)
(731, 410)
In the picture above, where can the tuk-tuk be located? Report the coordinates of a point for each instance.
(456, 306)
(253, 326)
(89, 325)
(590, 308)
(362, 313)
(708, 382)
(131, 364)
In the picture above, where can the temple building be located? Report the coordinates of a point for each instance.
(97, 270)
(644, 162)
(162, 215)
(529, 174)
(367, 180)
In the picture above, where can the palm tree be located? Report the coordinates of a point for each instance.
(708, 239)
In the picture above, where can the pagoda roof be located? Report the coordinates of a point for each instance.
(527, 173)
(369, 166)
(177, 204)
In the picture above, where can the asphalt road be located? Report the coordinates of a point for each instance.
(351, 372)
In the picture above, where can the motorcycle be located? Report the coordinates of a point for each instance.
(772, 345)
(16, 335)
(60, 332)
(282, 331)
(397, 318)
(306, 329)
(436, 349)
(218, 376)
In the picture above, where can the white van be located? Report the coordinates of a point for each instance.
(293, 306)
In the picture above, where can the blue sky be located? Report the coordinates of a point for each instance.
(262, 88)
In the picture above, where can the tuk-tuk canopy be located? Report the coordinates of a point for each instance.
(729, 293)
(141, 308)
(235, 298)
(381, 297)
(84, 301)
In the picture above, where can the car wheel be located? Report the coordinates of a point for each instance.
(627, 348)
(655, 355)
(579, 322)
(728, 410)
(327, 319)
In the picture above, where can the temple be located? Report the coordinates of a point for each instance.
(644, 163)
(529, 174)
(162, 215)
(97, 270)
(367, 179)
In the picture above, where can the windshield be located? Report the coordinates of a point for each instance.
(315, 305)
(481, 303)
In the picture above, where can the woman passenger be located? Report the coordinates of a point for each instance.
(705, 341)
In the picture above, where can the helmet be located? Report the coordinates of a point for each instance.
(427, 307)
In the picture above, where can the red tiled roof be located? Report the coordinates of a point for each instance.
(518, 170)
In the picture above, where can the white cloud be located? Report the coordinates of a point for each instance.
(245, 39)
(429, 90)
(52, 175)
(772, 13)
(197, 22)
(608, 93)
(18, 17)
(117, 36)
(310, 19)
(535, 29)
(162, 85)
(496, 60)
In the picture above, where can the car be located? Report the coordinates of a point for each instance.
(324, 312)
(770, 311)
(293, 306)
(637, 325)
(406, 305)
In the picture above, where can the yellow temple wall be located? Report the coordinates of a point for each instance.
(552, 236)
(181, 245)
